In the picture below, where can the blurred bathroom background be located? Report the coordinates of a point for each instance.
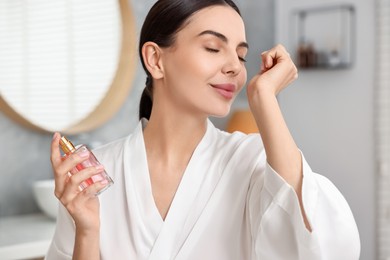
(331, 109)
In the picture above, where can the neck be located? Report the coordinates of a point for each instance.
(172, 136)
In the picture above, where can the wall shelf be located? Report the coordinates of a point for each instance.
(323, 37)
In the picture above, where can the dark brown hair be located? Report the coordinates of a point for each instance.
(163, 21)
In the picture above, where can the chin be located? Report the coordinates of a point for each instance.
(221, 112)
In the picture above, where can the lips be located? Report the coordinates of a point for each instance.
(225, 90)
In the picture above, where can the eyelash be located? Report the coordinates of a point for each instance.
(216, 51)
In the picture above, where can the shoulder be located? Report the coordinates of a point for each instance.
(116, 147)
(112, 156)
(238, 140)
(111, 148)
(239, 150)
(238, 153)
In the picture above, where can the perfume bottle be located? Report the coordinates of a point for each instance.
(68, 148)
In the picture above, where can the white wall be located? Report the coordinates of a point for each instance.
(330, 114)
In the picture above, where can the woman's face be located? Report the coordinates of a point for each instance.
(204, 69)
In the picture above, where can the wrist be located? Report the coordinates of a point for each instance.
(88, 231)
(257, 89)
(260, 98)
(87, 244)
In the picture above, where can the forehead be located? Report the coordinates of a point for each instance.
(223, 19)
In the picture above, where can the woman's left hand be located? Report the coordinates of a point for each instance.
(276, 72)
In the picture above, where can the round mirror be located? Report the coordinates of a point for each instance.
(65, 65)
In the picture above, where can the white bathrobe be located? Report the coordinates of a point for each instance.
(230, 204)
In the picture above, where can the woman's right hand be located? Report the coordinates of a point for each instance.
(83, 205)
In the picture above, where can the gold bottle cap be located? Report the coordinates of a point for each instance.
(66, 145)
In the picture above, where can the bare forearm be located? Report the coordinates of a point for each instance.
(86, 245)
(282, 153)
(277, 71)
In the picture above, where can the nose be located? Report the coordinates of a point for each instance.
(232, 65)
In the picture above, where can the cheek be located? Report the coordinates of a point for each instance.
(187, 69)
(200, 67)
(194, 64)
(242, 78)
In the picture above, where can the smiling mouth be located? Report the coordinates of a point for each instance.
(225, 90)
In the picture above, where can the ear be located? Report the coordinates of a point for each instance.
(151, 54)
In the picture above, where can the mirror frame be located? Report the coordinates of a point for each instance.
(117, 92)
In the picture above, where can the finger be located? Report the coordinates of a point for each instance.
(55, 150)
(86, 174)
(60, 177)
(66, 168)
(279, 48)
(82, 197)
(278, 52)
(262, 67)
(268, 59)
(63, 180)
(72, 186)
(277, 56)
(71, 161)
(93, 189)
(60, 183)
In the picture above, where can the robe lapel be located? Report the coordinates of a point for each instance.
(148, 221)
(195, 189)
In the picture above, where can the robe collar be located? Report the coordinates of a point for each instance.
(165, 238)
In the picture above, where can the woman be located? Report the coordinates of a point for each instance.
(185, 190)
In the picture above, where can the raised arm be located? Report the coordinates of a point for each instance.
(276, 72)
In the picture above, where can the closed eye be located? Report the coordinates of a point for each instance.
(241, 59)
(212, 50)
(216, 51)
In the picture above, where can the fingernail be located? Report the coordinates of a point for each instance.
(269, 63)
(84, 154)
(54, 135)
(99, 167)
(104, 181)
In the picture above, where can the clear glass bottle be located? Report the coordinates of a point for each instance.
(68, 148)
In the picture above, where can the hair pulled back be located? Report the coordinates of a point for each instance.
(163, 21)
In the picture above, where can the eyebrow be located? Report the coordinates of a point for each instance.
(222, 37)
